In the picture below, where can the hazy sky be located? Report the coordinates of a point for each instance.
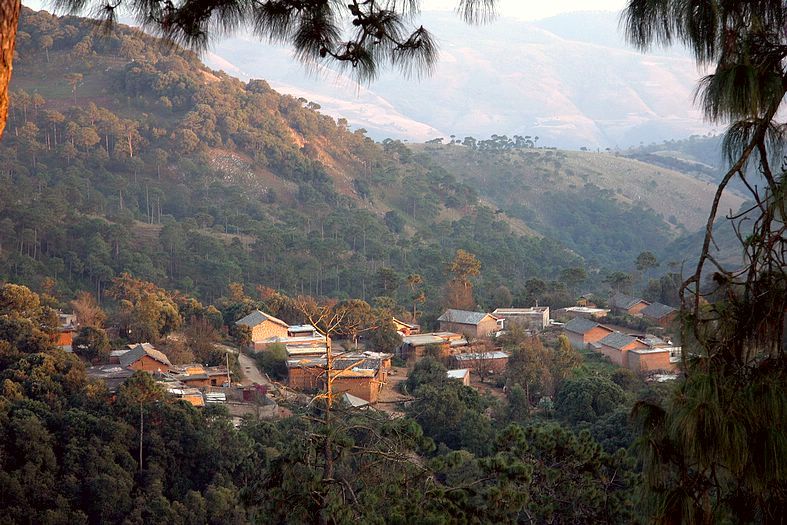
(537, 9)
(524, 9)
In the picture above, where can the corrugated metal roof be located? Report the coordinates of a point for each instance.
(463, 317)
(477, 356)
(256, 317)
(457, 374)
(657, 311)
(423, 339)
(580, 325)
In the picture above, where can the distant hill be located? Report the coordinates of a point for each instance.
(122, 154)
(569, 79)
(605, 206)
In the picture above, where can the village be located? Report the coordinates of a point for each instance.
(466, 342)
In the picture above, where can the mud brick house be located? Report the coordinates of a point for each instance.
(534, 318)
(616, 345)
(201, 376)
(356, 374)
(443, 343)
(643, 360)
(570, 312)
(581, 332)
(495, 362)
(145, 357)
(262, 327)
(460, 374)
(471, 324)
(661, 314)
(626, 304)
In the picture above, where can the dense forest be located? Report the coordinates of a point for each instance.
(122, 155)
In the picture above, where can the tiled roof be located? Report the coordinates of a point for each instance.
(623, 301)
(617, 340)
(463, 317)
(580, 325)
(141, 350)
(657, 311)
(258, 317)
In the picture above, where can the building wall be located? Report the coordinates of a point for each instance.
(267, 329)
(148, 364)
(366, 388)
(482, 329)
(577, 340)
(637, 308)
(409, 352)
(650, 362)
(614, 355)
(595, 334)
(304, 378)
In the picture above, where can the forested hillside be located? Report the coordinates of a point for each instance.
(606, 207)
(125, 155)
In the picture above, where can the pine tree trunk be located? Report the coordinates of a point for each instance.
(9, 20)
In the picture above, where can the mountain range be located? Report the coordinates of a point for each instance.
(569, 79)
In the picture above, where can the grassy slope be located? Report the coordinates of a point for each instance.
(523, 176)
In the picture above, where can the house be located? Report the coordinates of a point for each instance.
(471, 324)
(201, 376)
(112, 375)
(262, 327)
(661, 314)
(643, 360)
(442, 343)
(495, 362)
(461, 374)
(586, 300)
(64, 339)
(306, 373)
(144, 357)
(67, 321)
(616, 345)
(355, 374)
(570, 312)
(534, 318)
(405, 328)
(114, 355)
(302, 330)
(626, 304)
(359, 376)
(581, 332)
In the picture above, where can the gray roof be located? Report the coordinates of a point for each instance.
(463, 317)
(479, 356)
(623, 301)
(580, 325)
(617, 340)
(657, 310)
(140, 350)
(258, 317)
